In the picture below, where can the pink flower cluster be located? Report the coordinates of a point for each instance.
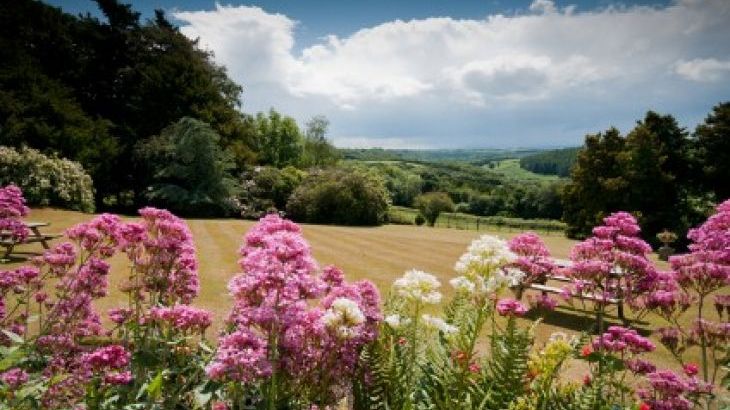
(623, 341)
(12, 208)
(14, 378)
(707, 267)
(182, 317)
(670, 391)
(162, 250)
(274, 300)
(613, 262)
(533, 257)
(511, 307)
(109, 363)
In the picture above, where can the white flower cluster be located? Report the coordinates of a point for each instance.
(484, 256)
(484, 267)
(416, 285)
(437, 323)
(343, 316)
(395, 321)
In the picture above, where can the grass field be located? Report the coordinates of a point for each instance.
(511, 169)
(380, 254)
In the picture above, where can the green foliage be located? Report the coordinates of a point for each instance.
(339, 196)
(508, 365)
(713, 151)
(90, 89)
(278, 139)
(552, 162)
(317, 150)
(266, 188)
(47, 181)
(420, 220)
(432, 204)
(647, 173)
(189, 173)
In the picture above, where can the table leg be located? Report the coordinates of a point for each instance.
(40, 237)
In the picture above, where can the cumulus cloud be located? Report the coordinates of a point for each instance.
(544, 55)
(703, 70)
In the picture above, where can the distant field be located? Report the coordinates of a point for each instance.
(510, 168)
(456, 220)
(380, 254)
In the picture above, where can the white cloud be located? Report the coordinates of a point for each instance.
(525, 62)
(703, 70)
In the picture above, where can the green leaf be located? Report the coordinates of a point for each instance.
(154, 389)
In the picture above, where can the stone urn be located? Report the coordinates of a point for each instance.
(666, 237)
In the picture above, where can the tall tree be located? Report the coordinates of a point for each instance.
(713, 151)
(317, 150)
(597, 183)
(188, 171)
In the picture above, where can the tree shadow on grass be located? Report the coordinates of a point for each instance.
(579, 320)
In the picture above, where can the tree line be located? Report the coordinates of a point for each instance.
(667, 176)
(109, 93)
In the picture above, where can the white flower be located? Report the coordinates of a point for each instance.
(463, 285)
(418, 286)
(484, 256)
(437, 323)
(514, 277)
(395, 321)
(343, 316)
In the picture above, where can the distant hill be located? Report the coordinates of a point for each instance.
(552, 162)
(473, 156)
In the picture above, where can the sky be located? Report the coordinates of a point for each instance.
(464, 74)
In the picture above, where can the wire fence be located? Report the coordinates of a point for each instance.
(407, 216)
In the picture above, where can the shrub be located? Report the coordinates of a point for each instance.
(267, 188)
(47, 180)
(339, 196)
(432, 204)
(420, 220)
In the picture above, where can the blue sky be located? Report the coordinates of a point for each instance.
(456, 74)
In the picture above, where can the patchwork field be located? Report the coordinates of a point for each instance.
(380, 254)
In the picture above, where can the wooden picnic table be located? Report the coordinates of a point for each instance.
(36, 235)
(558, 276)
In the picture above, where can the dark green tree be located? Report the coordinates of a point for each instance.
(188, 171)
(279, 139)
(597, 183)
(713, 151)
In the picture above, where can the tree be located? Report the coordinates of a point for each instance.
(189, 173)
(318, 151)
(279, 139)
(713, 151)
(597, 183)
(91, 88)
(431, 205)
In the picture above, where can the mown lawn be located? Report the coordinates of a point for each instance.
(380, 254)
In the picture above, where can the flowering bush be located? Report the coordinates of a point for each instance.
(47, 180)
(49, 316)
(294, 337)
(613, 264)
(12, 208)
(694, 278)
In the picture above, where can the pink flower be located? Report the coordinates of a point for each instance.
(108, 357)
(219, 405)
(241, 356)
(14, 378)
(622, 340)
(120, 378)
(533, 257)
(690, 369)
(182, 317)
(511, 307)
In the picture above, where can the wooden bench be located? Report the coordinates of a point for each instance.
(7, 242)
